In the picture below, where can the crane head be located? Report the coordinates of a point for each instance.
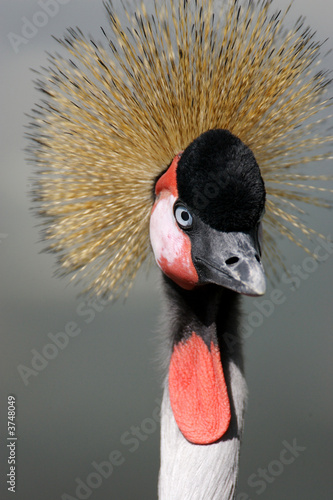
(205, 225)
(113, 117)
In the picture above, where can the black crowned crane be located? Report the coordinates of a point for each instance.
(182, 137)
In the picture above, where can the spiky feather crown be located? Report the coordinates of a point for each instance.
(113, 119)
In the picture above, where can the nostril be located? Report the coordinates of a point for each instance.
(257, 257)
(232, 260)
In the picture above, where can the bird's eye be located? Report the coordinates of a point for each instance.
(183, 217)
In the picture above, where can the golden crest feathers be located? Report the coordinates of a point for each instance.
(113, 119)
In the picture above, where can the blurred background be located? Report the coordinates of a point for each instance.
(96, 398)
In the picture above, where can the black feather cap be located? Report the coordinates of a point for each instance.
(219, 179)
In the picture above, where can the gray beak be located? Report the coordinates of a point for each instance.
(231, 260)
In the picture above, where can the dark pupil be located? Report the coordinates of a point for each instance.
(185, 216)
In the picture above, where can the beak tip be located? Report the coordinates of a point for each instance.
(260, 289)
(258, 285)
(252, 278)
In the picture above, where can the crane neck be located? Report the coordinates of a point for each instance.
(211, 312)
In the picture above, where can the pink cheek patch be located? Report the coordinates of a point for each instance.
(171, 246)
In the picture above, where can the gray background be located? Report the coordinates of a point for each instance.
(107, 379)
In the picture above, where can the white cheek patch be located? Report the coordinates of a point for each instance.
(165, 236)
(171, 246)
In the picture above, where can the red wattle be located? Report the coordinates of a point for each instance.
(198, 392)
